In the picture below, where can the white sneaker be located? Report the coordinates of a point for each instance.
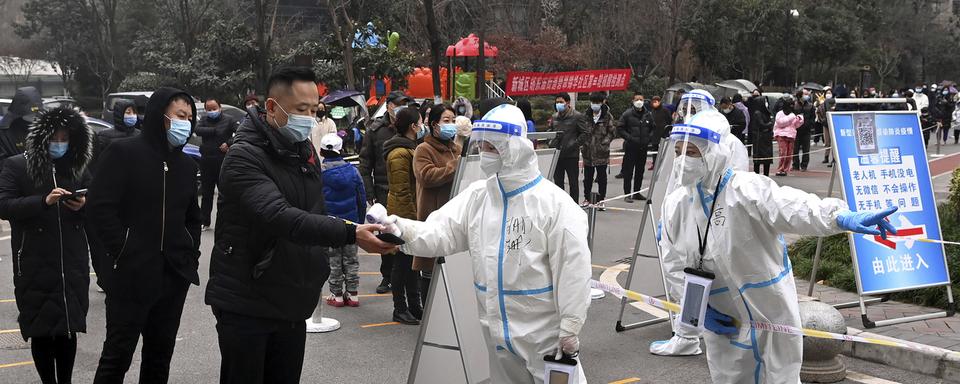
(676, 346)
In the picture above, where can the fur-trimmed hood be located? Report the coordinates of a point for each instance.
(39, 162)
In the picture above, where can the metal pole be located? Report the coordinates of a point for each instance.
(816, 256)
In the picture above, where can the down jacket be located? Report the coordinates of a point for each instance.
(51, 272)
(402, 199)
(269, 259)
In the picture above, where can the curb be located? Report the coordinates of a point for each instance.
(932, 361)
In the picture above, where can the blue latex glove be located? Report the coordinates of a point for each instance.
(863, 222)
(719, 323)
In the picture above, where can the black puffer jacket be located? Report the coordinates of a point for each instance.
(572, 133)
(50, 281)
(373, 166)
(636, 127)
(214, 133)
(269, 258)
(119, 131)
(13, 126)
(143, 209)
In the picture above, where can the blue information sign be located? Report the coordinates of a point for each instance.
(882, 162)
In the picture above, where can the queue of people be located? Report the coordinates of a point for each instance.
(291, 213)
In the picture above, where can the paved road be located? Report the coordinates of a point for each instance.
(382, 354)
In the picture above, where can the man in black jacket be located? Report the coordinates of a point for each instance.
(734, 116)
(572, 133)
(636, 126)
(216, 130)
(373, 168)
(143, 210)
(14, 125)
(801, 149)
(268, 262)
(662, 117)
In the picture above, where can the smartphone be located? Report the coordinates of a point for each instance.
(390, 238)
(76, 194)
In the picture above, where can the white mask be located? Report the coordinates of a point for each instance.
(638, 104)
(693, 168)
(490, 163)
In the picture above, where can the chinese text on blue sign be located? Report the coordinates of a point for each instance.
(882, 162)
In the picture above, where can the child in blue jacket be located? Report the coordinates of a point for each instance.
(345, 199)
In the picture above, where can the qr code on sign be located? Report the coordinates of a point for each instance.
(865, 133)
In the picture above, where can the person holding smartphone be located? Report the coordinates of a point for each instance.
(38, 195)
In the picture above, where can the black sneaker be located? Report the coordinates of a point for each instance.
(618, 176)
(824, 161)
(405, 317)
(641, 197)
(384, 286)
(628, 200)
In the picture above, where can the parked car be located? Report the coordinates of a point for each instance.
(139, 99)
(48, 103)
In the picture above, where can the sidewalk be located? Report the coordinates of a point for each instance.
(941, 333)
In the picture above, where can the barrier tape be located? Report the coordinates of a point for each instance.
(764, 326)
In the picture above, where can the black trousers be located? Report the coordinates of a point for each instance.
(53, 357)
(634, 163)
(157, 322)
(601, 174)
(571, 168)
(801, 152)
(405, 283)
(258, 351)
(765, 165)
(426, 279)
(209, 174)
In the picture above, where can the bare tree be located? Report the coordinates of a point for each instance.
(265, 18)
(885, 59)
(189, 17)
(435, 46)
(104, 31)
(343, 29)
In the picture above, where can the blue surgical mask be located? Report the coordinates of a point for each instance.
(595, 107)
(130, 120)
(448, 131)
(561, 107)
(58, 149)
(806, 97)
(179, 132)
(213, 115)
(422, 132)
(298, 126)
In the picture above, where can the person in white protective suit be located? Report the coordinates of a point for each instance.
(742, 245)
(528, 243)
(686, 342)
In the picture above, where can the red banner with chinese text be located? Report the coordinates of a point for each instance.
(538, 83)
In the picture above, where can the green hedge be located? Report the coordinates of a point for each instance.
(836, 269)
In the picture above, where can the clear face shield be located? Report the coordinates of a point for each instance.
(491, 139)
(694, 102)
(690, 144)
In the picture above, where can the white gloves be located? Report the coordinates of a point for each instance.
(570, 345)
(377, 214)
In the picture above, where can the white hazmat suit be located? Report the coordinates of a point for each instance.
(745, 249)
(528, 243)
(686, 342)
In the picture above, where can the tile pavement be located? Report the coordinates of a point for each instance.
(941, 332)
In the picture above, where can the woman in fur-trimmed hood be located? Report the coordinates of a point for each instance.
(50, 260)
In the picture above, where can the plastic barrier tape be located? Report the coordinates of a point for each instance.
(778, 328)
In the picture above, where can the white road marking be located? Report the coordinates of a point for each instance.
(867, 379)
(609, 276)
